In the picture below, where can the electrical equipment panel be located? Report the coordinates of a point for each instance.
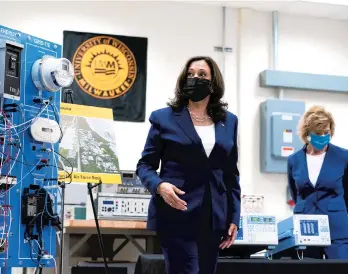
(257, 229)
(302, 230)
(131, 184)
(126, 201)
(279, 121)
(32, 73)
(122, 206)
(10, 61)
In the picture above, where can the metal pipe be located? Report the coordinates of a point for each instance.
(275, 40)
(223, 29)
(239, 80)
(281, 94)
(239, 65)
(275, 47)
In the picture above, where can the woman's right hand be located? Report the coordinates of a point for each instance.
(169, 194)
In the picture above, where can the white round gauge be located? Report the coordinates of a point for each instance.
(51, 74)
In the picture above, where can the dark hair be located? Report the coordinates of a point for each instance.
(216, 108)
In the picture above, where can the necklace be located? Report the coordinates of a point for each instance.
(199, 119)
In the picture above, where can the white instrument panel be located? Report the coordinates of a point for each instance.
(311, 230)
(123, 206)
(257, 229)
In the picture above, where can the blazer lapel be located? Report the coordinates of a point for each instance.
(328, 165)
(220, 138)
(182, 117)
(304, 170)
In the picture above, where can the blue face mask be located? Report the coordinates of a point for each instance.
(319, 142)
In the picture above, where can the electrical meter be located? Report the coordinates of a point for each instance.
(51, 74)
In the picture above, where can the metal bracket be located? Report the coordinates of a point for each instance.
(221, 49)
(120, 247)
(79, 244)
(136, 244)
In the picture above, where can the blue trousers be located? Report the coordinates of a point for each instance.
(193, 253)
(185, 255)
(338, 250)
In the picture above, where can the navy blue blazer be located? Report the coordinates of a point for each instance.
(173, 141)
(329, 196)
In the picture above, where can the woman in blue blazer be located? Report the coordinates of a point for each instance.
(318, 180)
(195, 204)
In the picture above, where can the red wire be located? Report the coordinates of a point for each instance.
(8, 164)
(7, 207)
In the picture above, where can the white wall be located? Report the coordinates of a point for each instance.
(306, 45)
(177, 31)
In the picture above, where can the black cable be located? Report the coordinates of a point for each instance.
(40, 222)
(22, 124)
(29, 235)
(72, 167)
(57, 120)
(43, 165)
(61, 136)
(27, 164)
(14, 159)
(31, 253)
(10, 105)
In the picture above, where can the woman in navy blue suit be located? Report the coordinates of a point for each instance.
(318, 180)
(195, 205)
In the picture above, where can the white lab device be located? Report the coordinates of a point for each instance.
(302, 230)
(257, 229)
(115, 206)
(45, 130)
(311, 230)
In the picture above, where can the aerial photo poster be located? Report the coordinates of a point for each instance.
(88, 147)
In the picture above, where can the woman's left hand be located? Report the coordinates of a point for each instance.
(229, 240)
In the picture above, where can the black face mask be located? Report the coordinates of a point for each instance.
(197, 89)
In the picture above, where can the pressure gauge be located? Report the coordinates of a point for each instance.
(51, 74)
